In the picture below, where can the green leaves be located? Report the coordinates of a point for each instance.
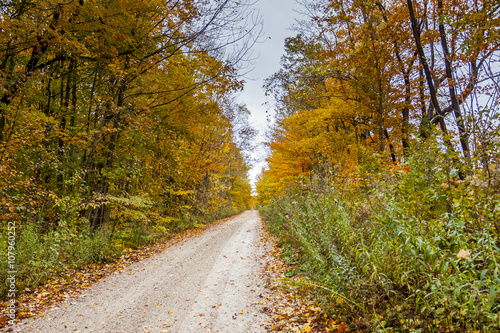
(427, 248)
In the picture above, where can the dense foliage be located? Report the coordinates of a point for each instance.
(383, 172)
(116, 124)
(408, 248)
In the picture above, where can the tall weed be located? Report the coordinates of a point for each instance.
(412, 249)
(40, 257)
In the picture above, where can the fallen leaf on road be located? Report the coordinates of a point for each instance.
(289, 308)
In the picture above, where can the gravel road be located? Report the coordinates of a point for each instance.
(207, 283)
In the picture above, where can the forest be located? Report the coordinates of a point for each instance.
(117, 126)
(383, 182)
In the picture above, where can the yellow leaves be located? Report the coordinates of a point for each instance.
(430, 35)
(309, 140)
(57, 201)
(181, 193)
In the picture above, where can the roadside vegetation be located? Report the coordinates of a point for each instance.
(117, 127)
(408, 248)
(383, 183)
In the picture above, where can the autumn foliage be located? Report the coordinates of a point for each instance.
(116, 118)
(383, 167)
(366, 78)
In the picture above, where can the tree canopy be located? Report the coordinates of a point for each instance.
(107, 101)
(366, 78)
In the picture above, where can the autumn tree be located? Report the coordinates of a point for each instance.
(99, 97)
(384, 74)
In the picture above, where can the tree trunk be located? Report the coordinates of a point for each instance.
(464, 142)
(423, 60)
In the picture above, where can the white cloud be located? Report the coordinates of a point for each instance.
(278, 17)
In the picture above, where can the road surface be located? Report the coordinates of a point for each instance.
(207, 283)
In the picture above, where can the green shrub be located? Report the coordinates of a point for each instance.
(412, 249)
(41, 256)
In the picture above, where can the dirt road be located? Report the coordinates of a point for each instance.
(207, 283)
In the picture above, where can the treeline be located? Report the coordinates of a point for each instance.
(116, 118)
(383, 173)
(371, 77)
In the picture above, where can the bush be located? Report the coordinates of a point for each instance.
(412, 249)
(40, 257)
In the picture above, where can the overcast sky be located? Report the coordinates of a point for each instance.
(278, 17)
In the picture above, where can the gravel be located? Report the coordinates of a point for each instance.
(207, 283)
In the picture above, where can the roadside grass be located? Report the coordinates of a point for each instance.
(43, 253)
(403, 249)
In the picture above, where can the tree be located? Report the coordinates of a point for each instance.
(380, 74)
(97, 97)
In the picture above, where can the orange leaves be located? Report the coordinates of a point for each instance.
(289, 307)
(342, 328)
(308, 142)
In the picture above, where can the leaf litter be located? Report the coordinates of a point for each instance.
(32, 302)
(289, 309)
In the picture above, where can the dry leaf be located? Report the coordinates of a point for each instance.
(463, 254)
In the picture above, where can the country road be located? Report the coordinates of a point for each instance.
(206, 283)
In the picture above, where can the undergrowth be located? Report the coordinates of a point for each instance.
(405, 249)
(42, 252)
